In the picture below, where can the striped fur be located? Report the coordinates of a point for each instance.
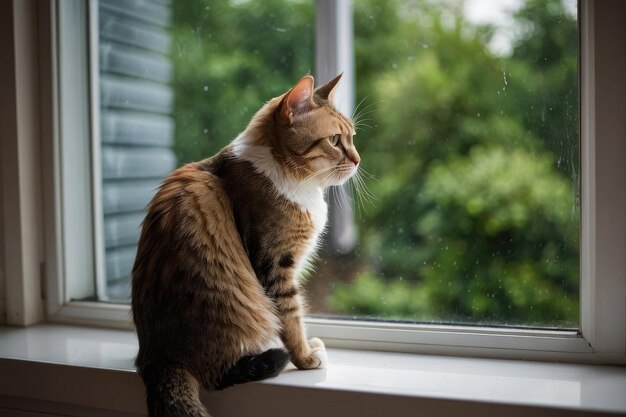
(222, 248)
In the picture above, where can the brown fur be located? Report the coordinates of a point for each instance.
(215, 273)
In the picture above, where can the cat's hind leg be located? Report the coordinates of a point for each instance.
(255, 367)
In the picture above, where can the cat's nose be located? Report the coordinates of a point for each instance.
(356, 159)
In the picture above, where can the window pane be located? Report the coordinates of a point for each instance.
(137, 128)
(468, 129)
(178, 81)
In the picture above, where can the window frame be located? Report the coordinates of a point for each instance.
(602, 335)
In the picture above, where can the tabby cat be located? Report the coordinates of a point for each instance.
(222, 248)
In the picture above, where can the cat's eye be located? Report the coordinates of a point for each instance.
(335, 139)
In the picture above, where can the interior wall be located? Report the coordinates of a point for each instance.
(20, 151)
(5, 11)
(2, 292)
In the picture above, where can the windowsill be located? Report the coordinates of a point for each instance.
(55, 368)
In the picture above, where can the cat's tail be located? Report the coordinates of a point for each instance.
(172, 392)
(255, 367)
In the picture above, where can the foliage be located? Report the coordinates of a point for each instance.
(230, 57)
(475, 155)
(372, 297)
(512, 225)
(477, 219)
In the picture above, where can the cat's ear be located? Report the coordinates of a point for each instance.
(298, 100)
(327, 91)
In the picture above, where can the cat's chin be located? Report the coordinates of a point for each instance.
(341, 181)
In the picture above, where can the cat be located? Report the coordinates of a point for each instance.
(223, 246)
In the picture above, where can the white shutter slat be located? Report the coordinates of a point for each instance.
(136, 127)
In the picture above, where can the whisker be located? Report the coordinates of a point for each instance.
(330, 175)
(358, 105)
(367, 174)
(347, 198)
(311, 176)
(367, 192)
(365, 189)
(362, 122)
(364, 113)
(316, 173)
(366, 119)
(363, 119)
(360, 125)
(364, 109)
(338, 190)
(361, 201)
(357, 205)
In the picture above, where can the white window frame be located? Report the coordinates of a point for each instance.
(602, 337)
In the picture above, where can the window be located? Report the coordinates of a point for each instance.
(499, 248)
(136, 129)
(177, 82)
(134, 85)
(470, 144)
(469, 135)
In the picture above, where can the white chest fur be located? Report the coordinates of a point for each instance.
(311, 200)
(315, 205)
(308, 196)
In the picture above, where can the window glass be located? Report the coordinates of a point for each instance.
(136, 126)
(178, 81)
(468, 208)
(468, 130)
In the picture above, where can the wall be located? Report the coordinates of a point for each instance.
(21, 177)
(2, 292)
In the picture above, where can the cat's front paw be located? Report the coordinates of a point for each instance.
(316, 358)
(319, 349)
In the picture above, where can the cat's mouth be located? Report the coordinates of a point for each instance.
(343, 173)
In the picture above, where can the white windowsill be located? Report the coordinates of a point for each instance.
(89, 371)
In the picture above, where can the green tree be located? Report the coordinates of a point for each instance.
(475, 155)
(475, 221)
(229, 58)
